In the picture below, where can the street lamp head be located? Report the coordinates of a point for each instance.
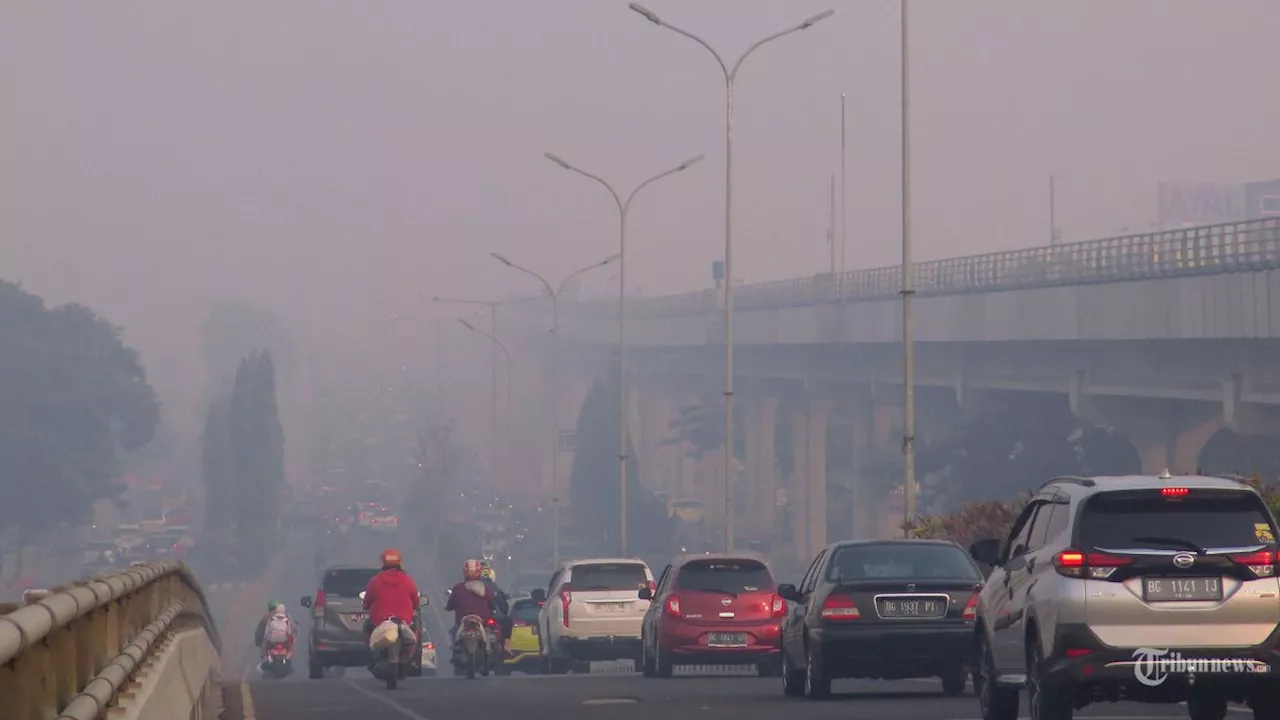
(646, 12)
(557, 161)
(816, 19)
(501, 259)
(691, 161)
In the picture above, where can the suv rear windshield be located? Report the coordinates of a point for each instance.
(1197, 520)
(901, 560)
(525, 611)
(608, 576)
(725, 576)
(349, 582)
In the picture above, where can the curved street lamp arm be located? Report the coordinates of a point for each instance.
(756, 45)
(728, 74)
(505, 261)
(584, 173)
(569, 278)
(682, 166)
(478, 331)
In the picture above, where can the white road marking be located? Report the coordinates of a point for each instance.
(610, 701)
(246, 702)
(387, 701)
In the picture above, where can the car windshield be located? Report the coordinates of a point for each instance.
(525, 611)
(347, 582)
(730, 577)
(901, 560)
(608, 576)
(1194, 521)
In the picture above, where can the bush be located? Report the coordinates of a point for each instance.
(974, 521)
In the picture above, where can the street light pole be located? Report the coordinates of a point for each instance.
(909, 489)
(730, 75)
(496, 460)
(554, 294)
(623, 208)
(506, 468)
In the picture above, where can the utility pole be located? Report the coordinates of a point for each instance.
(1053, 212)
(844, 191)
(831, 227)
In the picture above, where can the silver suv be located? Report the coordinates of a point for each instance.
(1151, 589)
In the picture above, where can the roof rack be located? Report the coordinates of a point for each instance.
(1070, 479)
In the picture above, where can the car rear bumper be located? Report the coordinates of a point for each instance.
(891, 652)
(690, 642)
(344, 653)
(599, 648)
(1158, 674)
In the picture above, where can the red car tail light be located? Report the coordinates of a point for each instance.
(318, 605)
(1261, 563)
(672, 606)
(566, 596)
(839, 606)
(1096, 566)
(971, 609)
(777, 607)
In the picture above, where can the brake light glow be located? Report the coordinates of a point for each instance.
(672, 606)
(1095, 566)
(1261, 563)
(428, 646)
(566, 596)
(777, 607)
(653, 586)
(491, 622)
(839, 606)
(1073, 653)
(970, 613)
(1174, 492)
(318, 604)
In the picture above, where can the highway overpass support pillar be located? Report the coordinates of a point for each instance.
(1168, 434)
(656, 458)
(762, 423)
(810, 479)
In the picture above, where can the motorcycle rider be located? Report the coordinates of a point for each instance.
(260, 633)
(472, 596)
(391, 594)
(501, 603)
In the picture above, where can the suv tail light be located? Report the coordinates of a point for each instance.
(970, 613)
(672, 606)
(653, 586)
(1095, 566)
(1261, 563)
(317, 605)
(839, 606)
(566, 596)
(777, 607)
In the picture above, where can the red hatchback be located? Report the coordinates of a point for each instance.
(713, 609)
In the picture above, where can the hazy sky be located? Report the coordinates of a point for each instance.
(337, 159)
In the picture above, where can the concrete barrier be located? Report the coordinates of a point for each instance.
(81, 650)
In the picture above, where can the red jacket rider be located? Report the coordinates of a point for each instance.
(391, 593)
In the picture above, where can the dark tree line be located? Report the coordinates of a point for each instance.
(73, 400)
(242, 465)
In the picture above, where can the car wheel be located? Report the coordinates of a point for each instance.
(1266, 703)
(793, 679)
(1207, 707)
(997, 702)
(818, 687)
(1046, 701)
(664, 664)
(647, 667)
(315, 670)
(954, 681)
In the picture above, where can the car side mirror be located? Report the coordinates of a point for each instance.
(305, 601)
(787, 591)
(986, 551)
(645, 594)
(538, 595)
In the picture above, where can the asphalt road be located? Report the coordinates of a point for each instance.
(616, 696)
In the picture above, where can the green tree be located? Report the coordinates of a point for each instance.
(257, 439)
(76, 399)
(701, 425)
(594, 483)
(235, 329)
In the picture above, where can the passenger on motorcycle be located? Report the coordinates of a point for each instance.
(470, 597)
(391, 594)
(277, 630)
(501, 603)
(259, 634)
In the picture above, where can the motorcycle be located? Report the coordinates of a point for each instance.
(472, 650)
(387, 644)
(277, 664)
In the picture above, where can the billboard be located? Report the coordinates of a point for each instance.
(1201, 203)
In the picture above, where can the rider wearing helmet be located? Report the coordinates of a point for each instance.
(262, 624)
(501, 603)
(391, 594)
(470, 597)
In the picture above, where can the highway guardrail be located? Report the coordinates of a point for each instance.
(69, 654)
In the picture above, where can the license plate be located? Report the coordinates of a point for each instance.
(1181, 589)
(727, 639)
(912, 607)
(612, 607)
(357, 617)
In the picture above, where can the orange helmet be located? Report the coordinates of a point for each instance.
(471, 569)
(391, 558)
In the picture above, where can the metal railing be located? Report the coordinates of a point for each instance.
(69, 654)
(1207, 250)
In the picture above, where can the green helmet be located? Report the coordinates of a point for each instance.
(273, 604)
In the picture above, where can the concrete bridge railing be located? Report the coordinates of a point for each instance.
(102, 646)
(1207, 250)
